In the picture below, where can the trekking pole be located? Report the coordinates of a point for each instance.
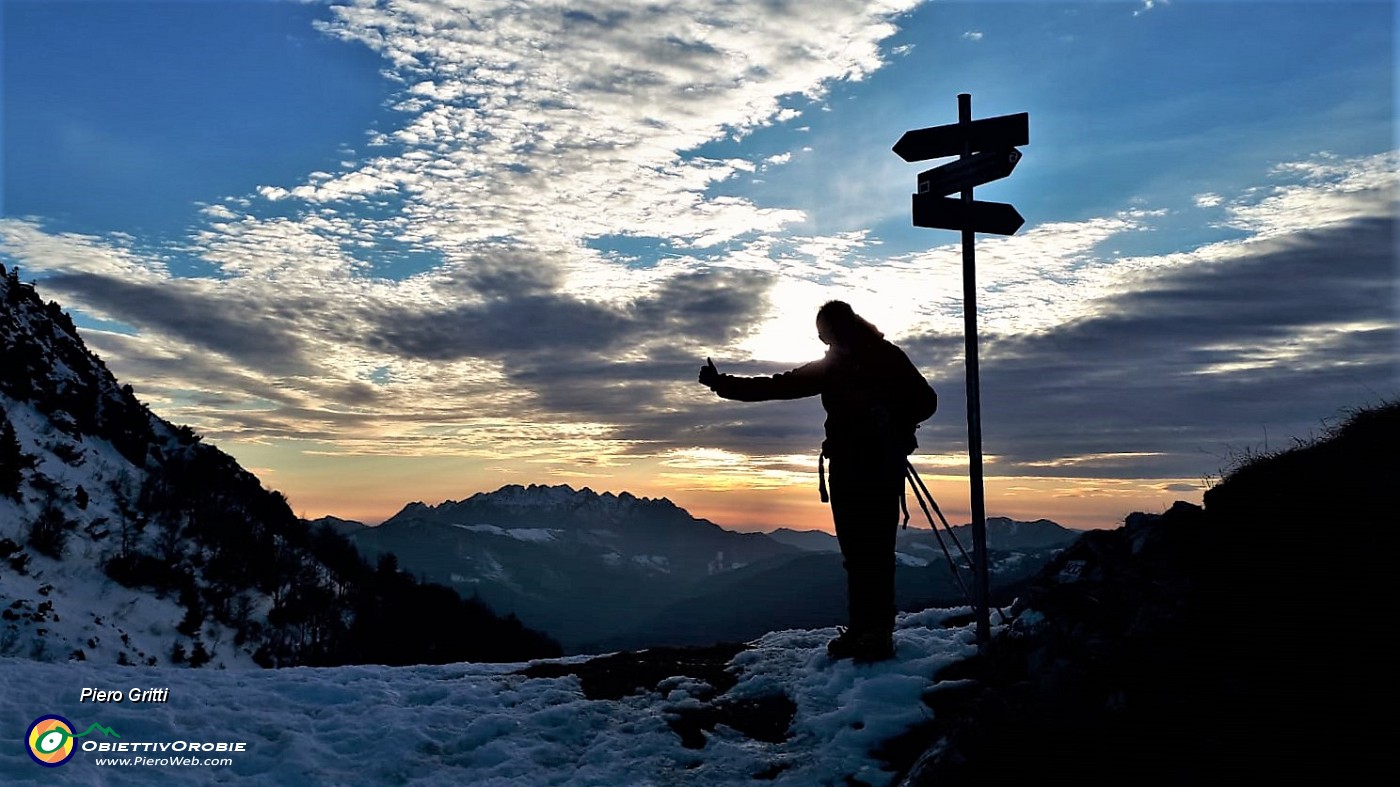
(952, 565)
(919, 485)
(920, 492)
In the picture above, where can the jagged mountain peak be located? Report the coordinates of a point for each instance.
(558, 494)
(537, 495)
(522, 500)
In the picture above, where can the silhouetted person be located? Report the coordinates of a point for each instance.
(874, 398)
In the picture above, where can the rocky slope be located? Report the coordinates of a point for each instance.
(1239, 642)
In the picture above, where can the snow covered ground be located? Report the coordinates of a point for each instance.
(470, 724)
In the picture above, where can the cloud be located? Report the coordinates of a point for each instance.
(1149, 5)
(26, 241)
(1282, 334)
(1052, 274)
(1143, 367)
(972, 35)
(1322, 191)
(446, 292)
(709, 307)
(297, 342)
(240, 330)
(523, 133)
(528, 121)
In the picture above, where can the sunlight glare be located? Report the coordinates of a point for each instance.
(790, 332)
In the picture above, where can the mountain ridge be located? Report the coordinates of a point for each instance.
(618, 571)
(574, 562)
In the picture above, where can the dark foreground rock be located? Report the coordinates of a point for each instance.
(1243, 641)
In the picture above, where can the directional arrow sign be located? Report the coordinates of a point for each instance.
(1005, 131)
(966, 173)
(948, 213)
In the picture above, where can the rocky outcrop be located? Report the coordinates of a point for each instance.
(1241, 641)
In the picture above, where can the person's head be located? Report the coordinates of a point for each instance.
(838, 324)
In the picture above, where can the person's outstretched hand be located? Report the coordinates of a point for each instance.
(709, 375)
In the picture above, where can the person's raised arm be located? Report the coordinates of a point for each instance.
(803, 381)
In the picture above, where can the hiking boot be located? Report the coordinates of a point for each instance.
(874, 647)
(861, 647)
(843, 647)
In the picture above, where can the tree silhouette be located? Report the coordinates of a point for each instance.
(12, 461)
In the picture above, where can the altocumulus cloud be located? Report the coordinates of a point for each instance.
(545, 123)
(524, 132)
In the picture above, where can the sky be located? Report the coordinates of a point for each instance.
(477, 724)
(410, 250)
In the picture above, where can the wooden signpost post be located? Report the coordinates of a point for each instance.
(987, 151)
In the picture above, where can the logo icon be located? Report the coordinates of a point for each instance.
(50, 739)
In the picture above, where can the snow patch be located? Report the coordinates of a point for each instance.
(480, 724)
(653, 562)
(536, 535)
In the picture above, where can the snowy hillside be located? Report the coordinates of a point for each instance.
(127, 540)
(71, 506)
(479, 725)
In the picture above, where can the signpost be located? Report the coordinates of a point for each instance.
(987, 151)
(972, 171)
(947, 213)
(1006, 131)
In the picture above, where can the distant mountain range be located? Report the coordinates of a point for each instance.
(616, 571)
(574, 563)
